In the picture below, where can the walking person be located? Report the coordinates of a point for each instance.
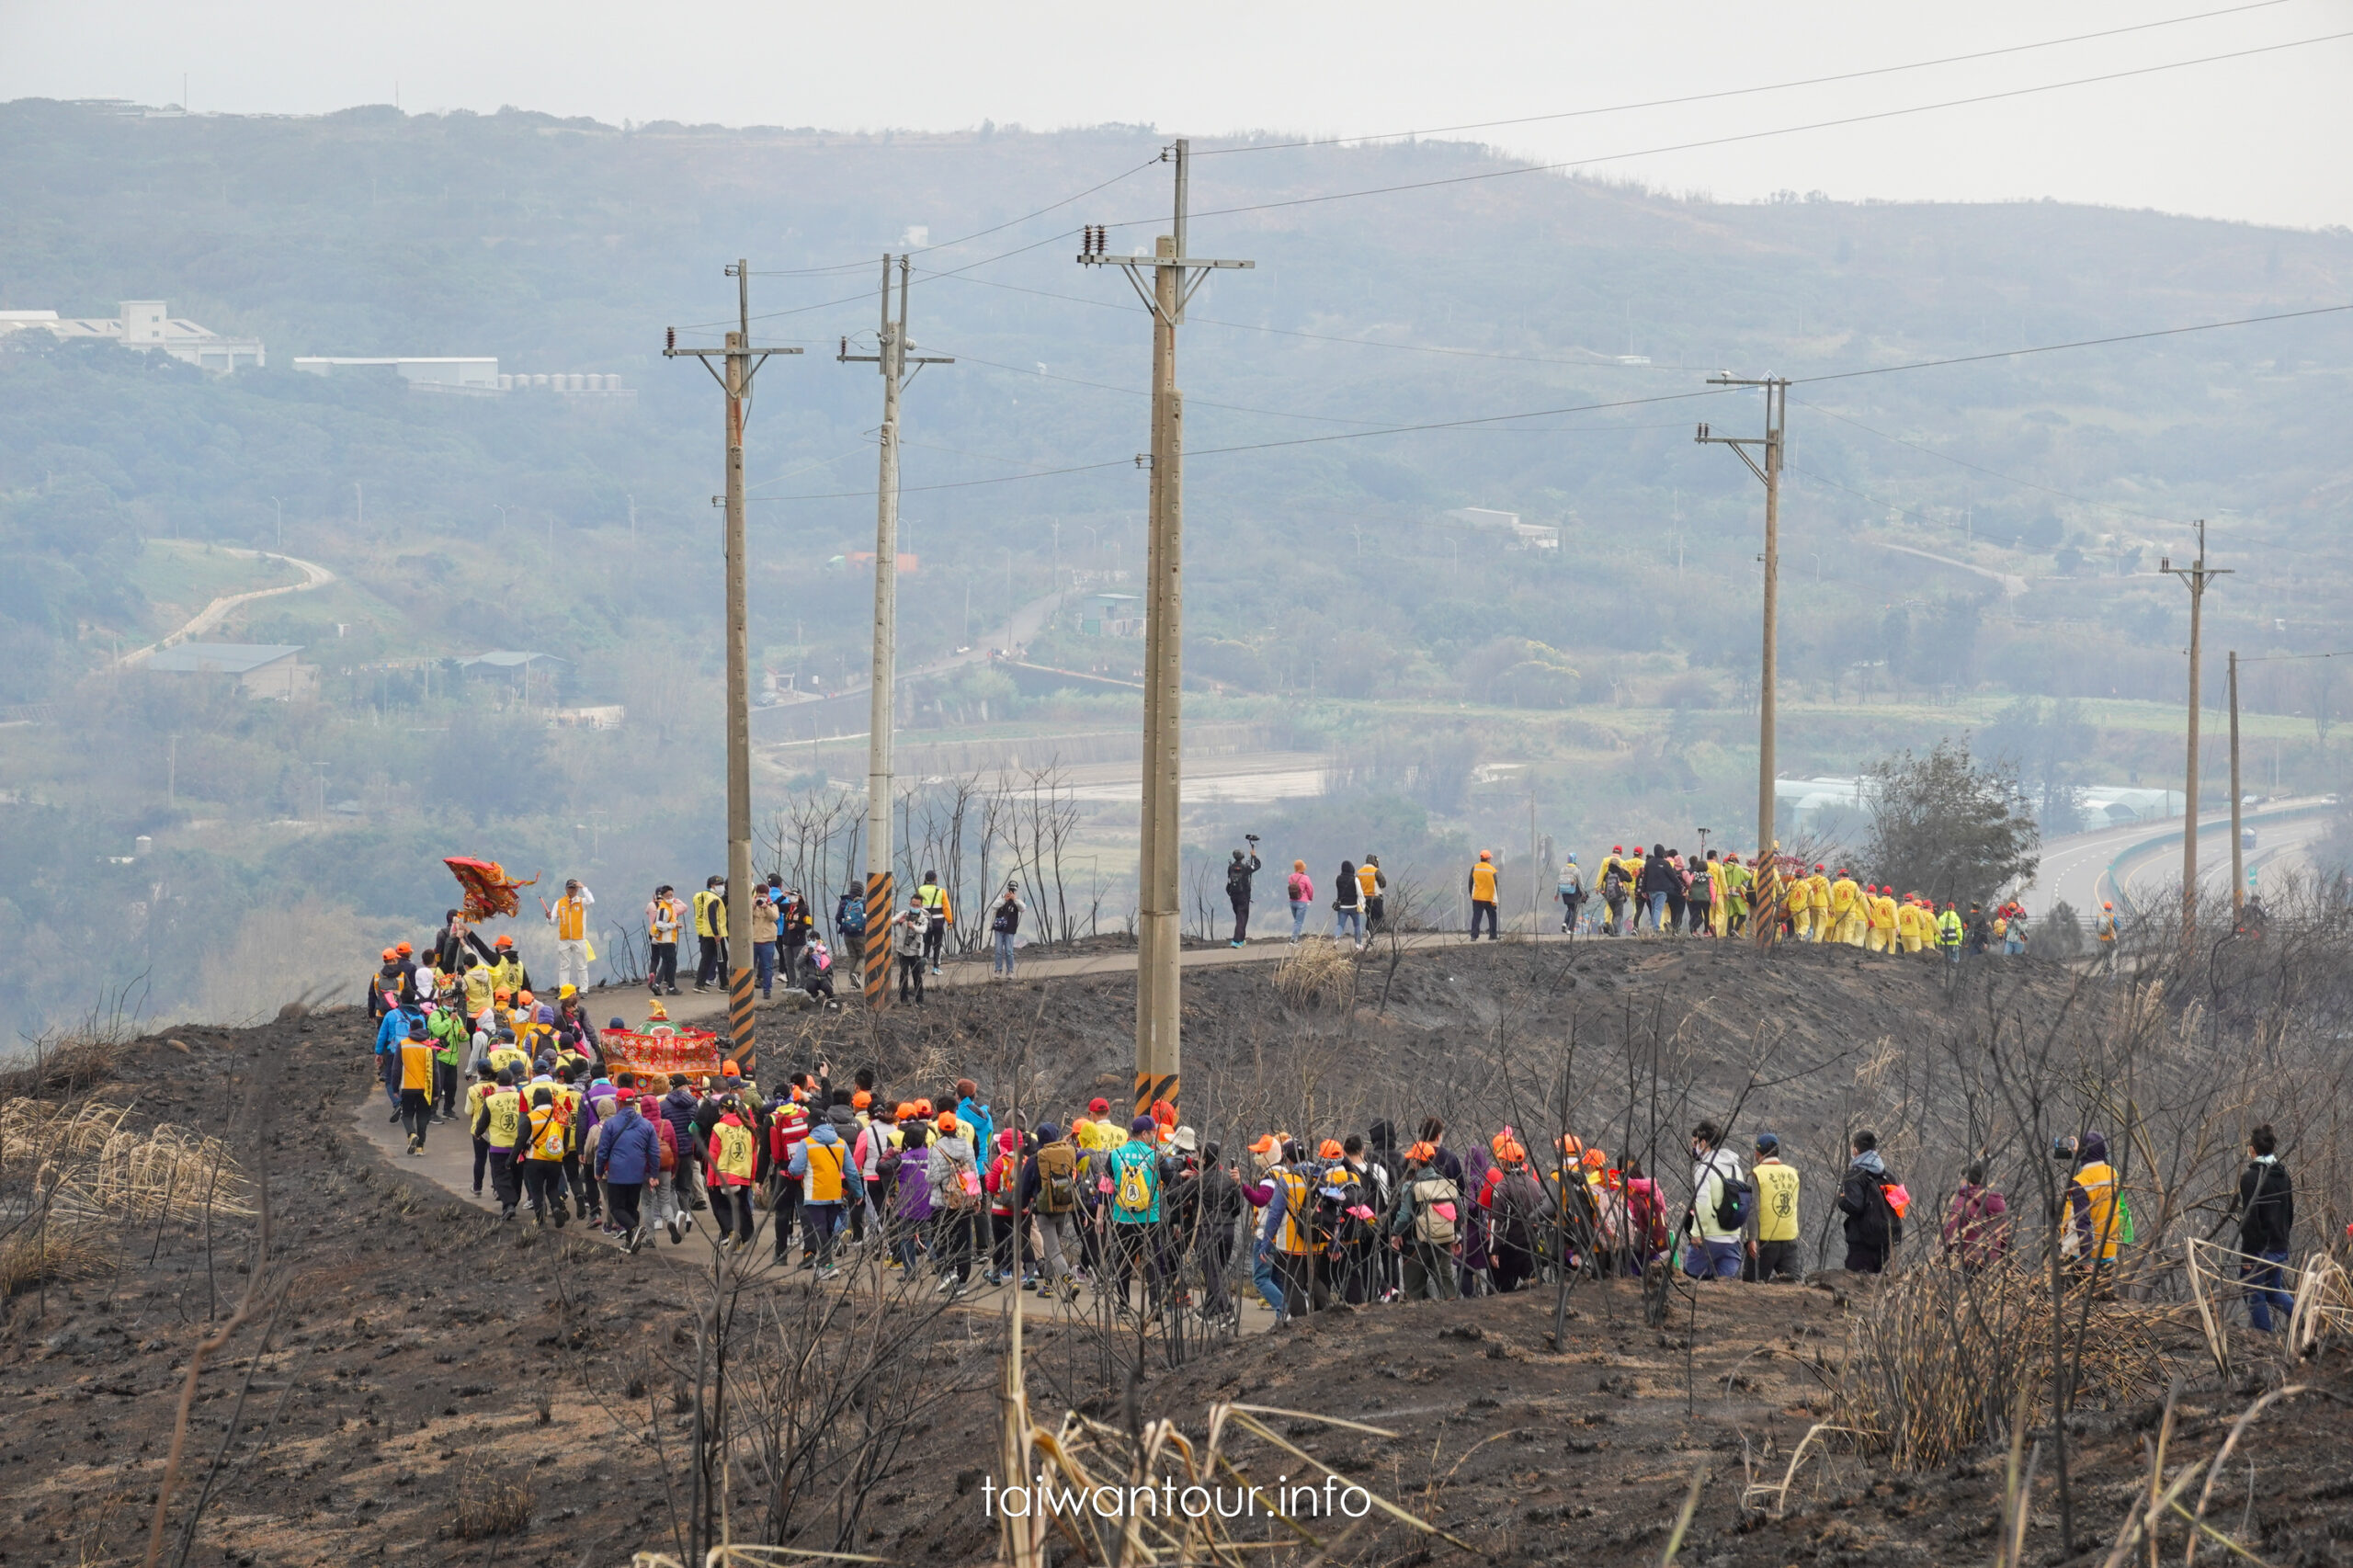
(910, 933)
(2266, 1209)
(710, 934)
(1049, 1196)
(1348, 914)
(1482, 888)
(569, 917)
(1301, 887)
(628, 1160)
(1238, 873)
(1661, 879)
(764, 929)
(1776, 1247)
(664, 916)
(1372, 885)
(1218, 1207)
(545, 1142)
(415, 1068)
(1005, 924)
(1568, 888)
(940, 917)
(1977, 1225)
(956, 1201)
(1866, 1197)
(1422, 1226)
(1715, 1224)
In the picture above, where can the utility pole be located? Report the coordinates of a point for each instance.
(2195, 577)
(1777, 408)
(891, 356)
(2238, 863)
(1175, 277)
(743, 362)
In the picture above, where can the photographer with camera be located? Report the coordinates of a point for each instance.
(1238, 873)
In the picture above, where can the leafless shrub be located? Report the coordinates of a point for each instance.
(53, 1255)
(1318, 970)
(492, 1505)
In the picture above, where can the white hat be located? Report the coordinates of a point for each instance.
(1185, 1139)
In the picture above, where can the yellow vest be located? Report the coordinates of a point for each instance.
(1482, 883)
(506, 1109)
(736, 1159)
(570, 919)
(548, 1133)
(1297, 1237)
(2099, 1182)
(823, 1183)
(1776, 1201)
(416, 1064)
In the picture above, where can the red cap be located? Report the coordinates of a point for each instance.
(1098, 1106)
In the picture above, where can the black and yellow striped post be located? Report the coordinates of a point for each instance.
(1765, 899)
(1150, 1090)
(742, 1034)
(880, 897)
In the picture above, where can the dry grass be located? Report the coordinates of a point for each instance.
(490, 1506)
(1943, 1359)
(105, 1168)
(62, 1067)
(57, 1254)
(1318, 970)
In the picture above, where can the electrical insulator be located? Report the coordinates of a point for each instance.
(672, 342)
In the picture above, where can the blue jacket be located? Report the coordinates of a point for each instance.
(394, 1029)
(980, 1124)
(628, 1149)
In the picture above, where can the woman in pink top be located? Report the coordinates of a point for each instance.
(1302, 894)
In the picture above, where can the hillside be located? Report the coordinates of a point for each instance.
(435, 1383)
(1326, 596)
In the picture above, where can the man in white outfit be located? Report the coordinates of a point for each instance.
(570, 918)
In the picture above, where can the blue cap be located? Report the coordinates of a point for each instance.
(1767, 1144)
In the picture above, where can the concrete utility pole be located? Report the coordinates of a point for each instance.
(743, 362)
(891, 356)
(2238, 861)
(2195, 577)
(1777, 408)
(1175, 277)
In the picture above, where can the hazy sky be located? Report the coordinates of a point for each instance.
(2262, 137)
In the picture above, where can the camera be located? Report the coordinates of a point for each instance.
(1249, 838)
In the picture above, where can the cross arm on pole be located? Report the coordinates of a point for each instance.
(1735, 443)
(1192, 271)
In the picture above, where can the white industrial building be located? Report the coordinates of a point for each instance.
(1523, 536)
(474, 374)
(441, 373)
(146, 325)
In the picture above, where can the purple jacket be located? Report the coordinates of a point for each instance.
(914, 1183)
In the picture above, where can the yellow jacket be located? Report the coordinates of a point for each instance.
(1843, 894)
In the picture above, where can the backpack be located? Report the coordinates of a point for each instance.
(1133, 1195)
(962, 1188)
(1008, 919)
(1613, 882)
(1571, 885)
(1237, 879)
(1433, 1211)
(1057, 1179)
(849, 916)
(1731, 1203)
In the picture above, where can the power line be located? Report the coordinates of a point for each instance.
(1736, 92)
(1141, 392)
(1009, 223)
(2298, 658)
(2079, 343)
(1746, 135)
(1980, 468)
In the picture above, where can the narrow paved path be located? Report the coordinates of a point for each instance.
(447, 1162)
(313, 577)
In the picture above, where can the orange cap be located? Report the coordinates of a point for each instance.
(403, 950)
(1596, 1159)
(1572, 1145)
(729, 1070)
(1423, 1152)
(1329, 1149)
(390, 955)
(947, 1123)
(1508, 1152)
(861, 1099)
(526, 998)
(503, 942)
(904, 1111)
(1263, 1144)
(502, 995)
(922, 1108)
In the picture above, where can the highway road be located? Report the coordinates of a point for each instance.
(2147, 855)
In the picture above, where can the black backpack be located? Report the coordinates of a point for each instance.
(1237, 879)
(1731, 1203)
